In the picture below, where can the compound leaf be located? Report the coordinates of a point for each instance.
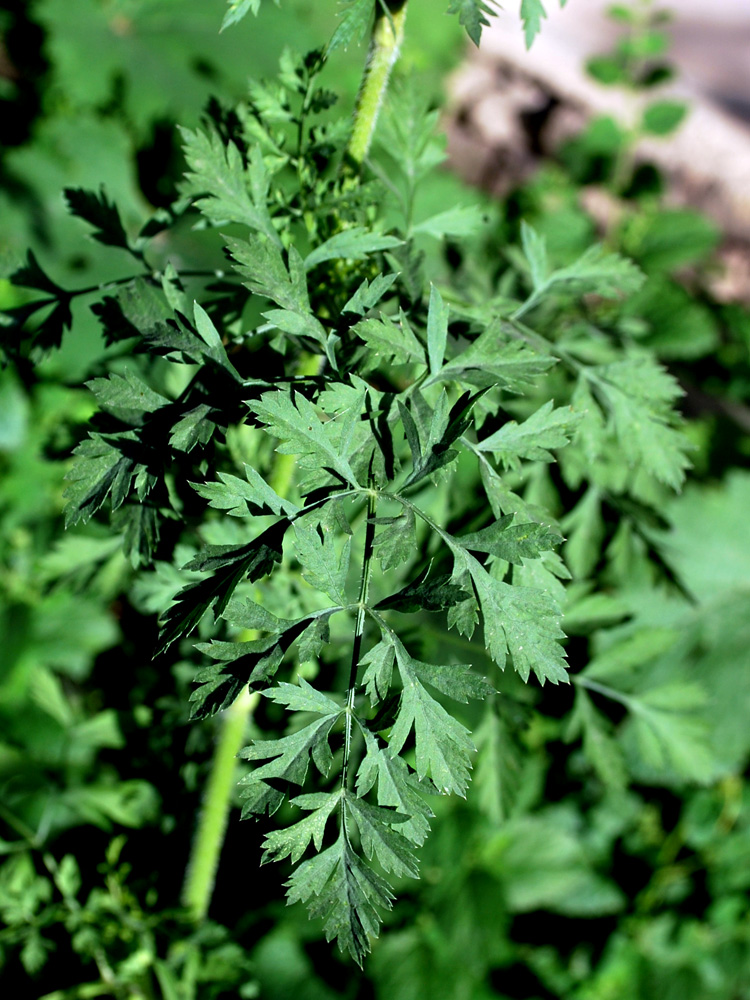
(339, 887)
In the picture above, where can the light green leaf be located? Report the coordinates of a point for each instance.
(535, 250)
(302, 697)
(437, 330)
(324, 563)
(297, 424)
(391, 340)
(473, 15)
(294, 840)
(640, 394)
(397, 542)
(521, 622)
(259, 260)
(546, 429)
(498, 772)
(461, 220)
(353, 24)
(126, 392)
(443, 746)
(229, 191)
(512, 542)
(353, 244)
(377, 676)
(369, 293)
(375, 824)
(496, 357)
(243, 499)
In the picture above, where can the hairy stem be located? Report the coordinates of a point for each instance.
(387, 35)
(209, 836)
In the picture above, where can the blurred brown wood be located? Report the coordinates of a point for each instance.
(509, 108)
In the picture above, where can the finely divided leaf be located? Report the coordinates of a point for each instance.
(375, 824)
(324, 562)
(547, 428)
(295, 421)
(259, 260)
(424, 594)
(639, 394)
(239, 9)
(437, 330)
(339, 887)
(369, 293)
(535, 250)
(397, 542)
(289, 764)
(446, 427)
(532, 14)
(228, 566)
(473, 15)
(443, 746)
(398, 789)
(353, 244)
(522, 622)
(461, 220)
(230, 191)
(457, 680)
(377, 676)
(496, 357)
(302, 697)
(353, 24)
(100, 213)
(293, 841)
(512, 542)
(242, 498)
(254, 663)
(126, 392)
(391, 340)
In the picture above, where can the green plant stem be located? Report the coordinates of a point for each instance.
(359, 629)
(387, 35)
(209, 837)
(212, 823)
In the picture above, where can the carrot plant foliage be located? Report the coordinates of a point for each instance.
(359, 460)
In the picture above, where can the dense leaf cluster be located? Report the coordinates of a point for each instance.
(332, 460)
(324, 338)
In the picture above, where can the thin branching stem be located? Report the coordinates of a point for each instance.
(359, 628)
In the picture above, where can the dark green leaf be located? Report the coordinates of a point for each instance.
(512, 542)
(228, 566)
(339, 887)
(100, 213)
(375, 824)
(424, 594)
(293, 841)
(397, 542)
(126, 392)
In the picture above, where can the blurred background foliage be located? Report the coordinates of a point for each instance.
(604, 848)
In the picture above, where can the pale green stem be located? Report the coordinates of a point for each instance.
(209, 837)
(212, 823)
(387, 35)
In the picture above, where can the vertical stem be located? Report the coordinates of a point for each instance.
(359, 628)
(209, 836)
(387, 35)
(212, 823)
